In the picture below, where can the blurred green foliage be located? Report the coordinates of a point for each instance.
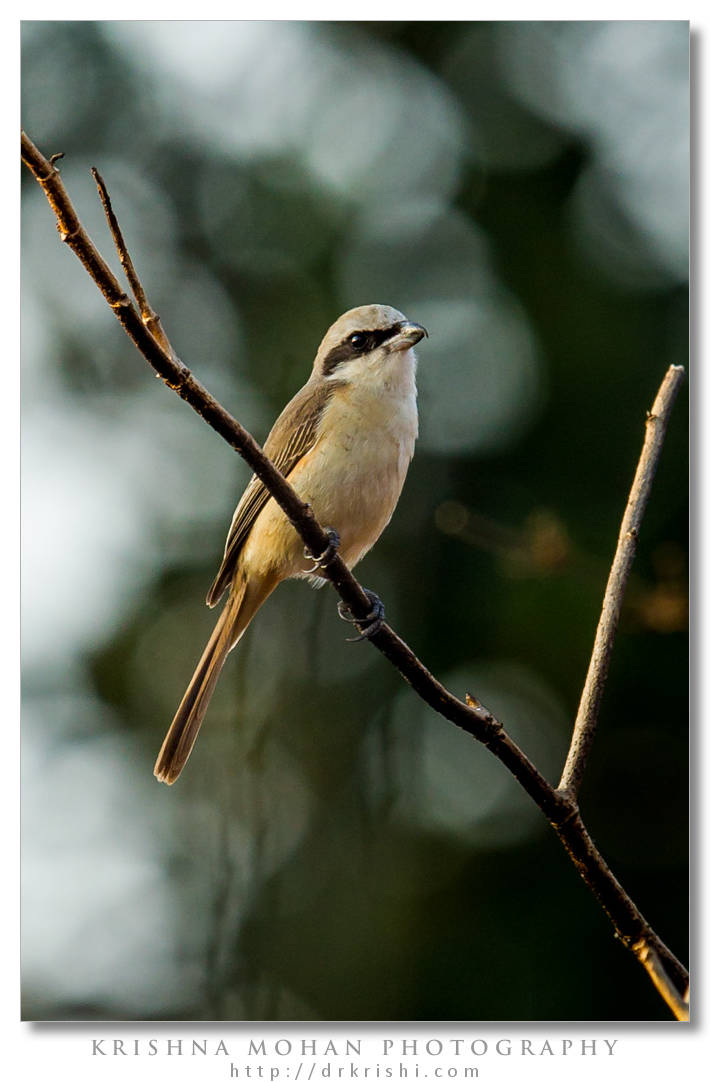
(333, 851)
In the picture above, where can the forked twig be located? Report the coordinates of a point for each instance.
(654, 967)
(149, 317)
(561, 811)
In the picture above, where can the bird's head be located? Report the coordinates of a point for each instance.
(367, 338)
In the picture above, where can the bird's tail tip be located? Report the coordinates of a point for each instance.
(181, 735)
(164, 774)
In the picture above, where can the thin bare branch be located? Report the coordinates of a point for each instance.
(649, 959)
(585, 725)
(149, 317)
(70, 228)
(561, 811)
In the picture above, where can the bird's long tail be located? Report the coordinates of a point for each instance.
(244, 600)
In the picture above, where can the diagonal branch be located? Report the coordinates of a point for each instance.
(559, 808)
(657, 972)
(585, 725)
(149, 317)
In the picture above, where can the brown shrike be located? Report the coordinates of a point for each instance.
(344, 442)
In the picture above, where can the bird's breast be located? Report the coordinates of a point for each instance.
(358, 466)
(352, 476)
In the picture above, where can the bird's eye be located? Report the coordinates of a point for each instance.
(358, 340)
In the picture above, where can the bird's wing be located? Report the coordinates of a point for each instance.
(294, 433)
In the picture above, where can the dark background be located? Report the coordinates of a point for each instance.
(334, 851)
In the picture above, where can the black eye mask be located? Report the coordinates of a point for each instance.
(355, 345)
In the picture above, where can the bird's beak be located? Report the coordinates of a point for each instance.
(409, 334)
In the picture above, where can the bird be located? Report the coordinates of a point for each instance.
(344, 442)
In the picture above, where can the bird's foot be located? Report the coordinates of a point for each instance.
(371, 623)
(327, 554)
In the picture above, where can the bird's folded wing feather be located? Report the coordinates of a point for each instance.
(294, 433)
